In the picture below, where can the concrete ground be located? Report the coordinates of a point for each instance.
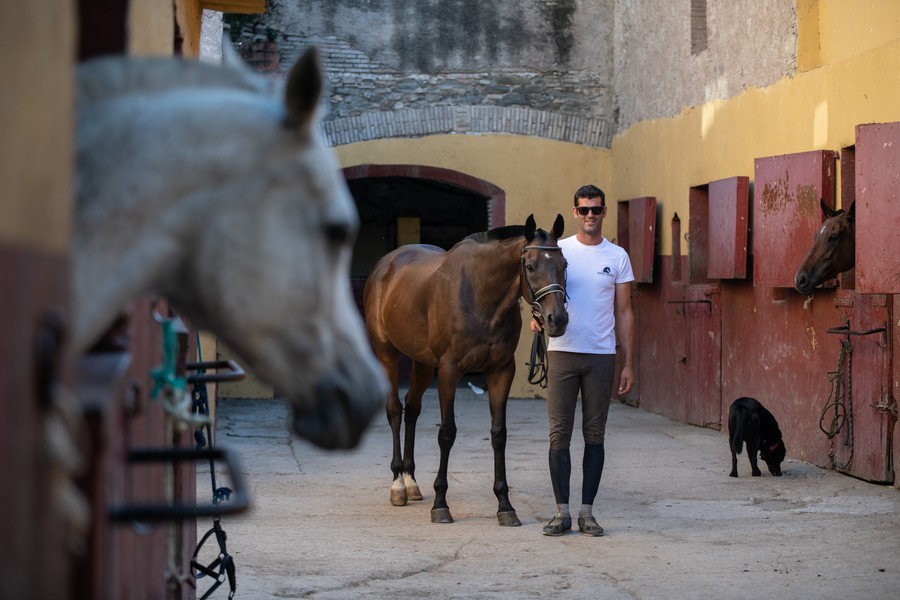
(677, 526)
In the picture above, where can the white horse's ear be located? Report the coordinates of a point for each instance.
(230, 56)
(304, 86)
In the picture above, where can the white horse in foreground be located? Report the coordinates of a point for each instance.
(197, 183)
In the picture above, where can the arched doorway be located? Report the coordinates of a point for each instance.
(400, 204)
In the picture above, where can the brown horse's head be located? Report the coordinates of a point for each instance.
(544, 275)
(833, 250)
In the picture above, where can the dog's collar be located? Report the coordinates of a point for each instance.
(774, 447)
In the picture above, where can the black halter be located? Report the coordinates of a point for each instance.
(537, 371)
(535, 297)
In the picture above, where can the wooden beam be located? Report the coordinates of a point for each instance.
(244, 7)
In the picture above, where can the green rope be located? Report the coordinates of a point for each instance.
(165, 377)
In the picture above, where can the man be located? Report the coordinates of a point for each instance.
(598, 286)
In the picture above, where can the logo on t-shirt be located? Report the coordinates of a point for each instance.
(606, 271)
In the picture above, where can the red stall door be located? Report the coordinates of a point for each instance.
(878, 208)
(701, 359)
(860, 413)
(704, 344)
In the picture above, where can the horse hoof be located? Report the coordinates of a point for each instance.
(398, 497)
(508, 519)
(412, 488)
(441, 515)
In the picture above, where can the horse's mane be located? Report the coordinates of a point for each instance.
(498, 233)
(504, 233)
(105, 78)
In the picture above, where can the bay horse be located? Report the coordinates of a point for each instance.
(833, 250)
(205, 184)
(458, 311)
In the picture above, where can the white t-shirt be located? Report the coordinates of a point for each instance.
(591, 279)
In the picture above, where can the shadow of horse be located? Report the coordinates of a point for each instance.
(198, 182)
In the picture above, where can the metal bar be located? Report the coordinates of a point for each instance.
(845, 330)
(236, 372)
(240, 498)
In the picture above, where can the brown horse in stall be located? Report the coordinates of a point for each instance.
(458, 311)
(833, 250)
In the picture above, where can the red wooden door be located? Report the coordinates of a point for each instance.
(786, 212)
(862, 447)
(878, 208)
(703, 356)
(636, 231)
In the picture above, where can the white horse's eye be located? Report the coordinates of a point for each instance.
(339, 234)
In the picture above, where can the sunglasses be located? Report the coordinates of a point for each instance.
(594, 210)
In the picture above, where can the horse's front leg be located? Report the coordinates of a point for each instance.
(498, 384)
(447, 380)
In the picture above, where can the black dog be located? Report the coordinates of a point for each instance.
(750, 422)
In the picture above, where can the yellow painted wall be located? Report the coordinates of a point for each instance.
(151, 27)
(36, 170)
(832, 30)
(815, 110)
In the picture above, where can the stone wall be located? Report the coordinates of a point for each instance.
(569, 70)
(419, 68)
(748, 44)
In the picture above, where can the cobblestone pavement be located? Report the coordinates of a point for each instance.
(677, 526)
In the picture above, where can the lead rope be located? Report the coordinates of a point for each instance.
(222, 567)
(840, 400)
(537, 367)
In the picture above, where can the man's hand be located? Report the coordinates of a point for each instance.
(626, 381)
(535, 326)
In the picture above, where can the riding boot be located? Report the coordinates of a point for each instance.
(560, 471)
(592, 467)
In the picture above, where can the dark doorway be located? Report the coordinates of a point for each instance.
(445, 214)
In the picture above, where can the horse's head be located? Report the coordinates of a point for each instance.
(833, 249)
(544, 275)
(231, 206)
(279, 292)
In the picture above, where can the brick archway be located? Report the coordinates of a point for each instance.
(495, 196)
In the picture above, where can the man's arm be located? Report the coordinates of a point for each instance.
(625, 330)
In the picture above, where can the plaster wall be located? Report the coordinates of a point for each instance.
(749, 44)
(152, 27)
(36, 172)
(848, 28)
